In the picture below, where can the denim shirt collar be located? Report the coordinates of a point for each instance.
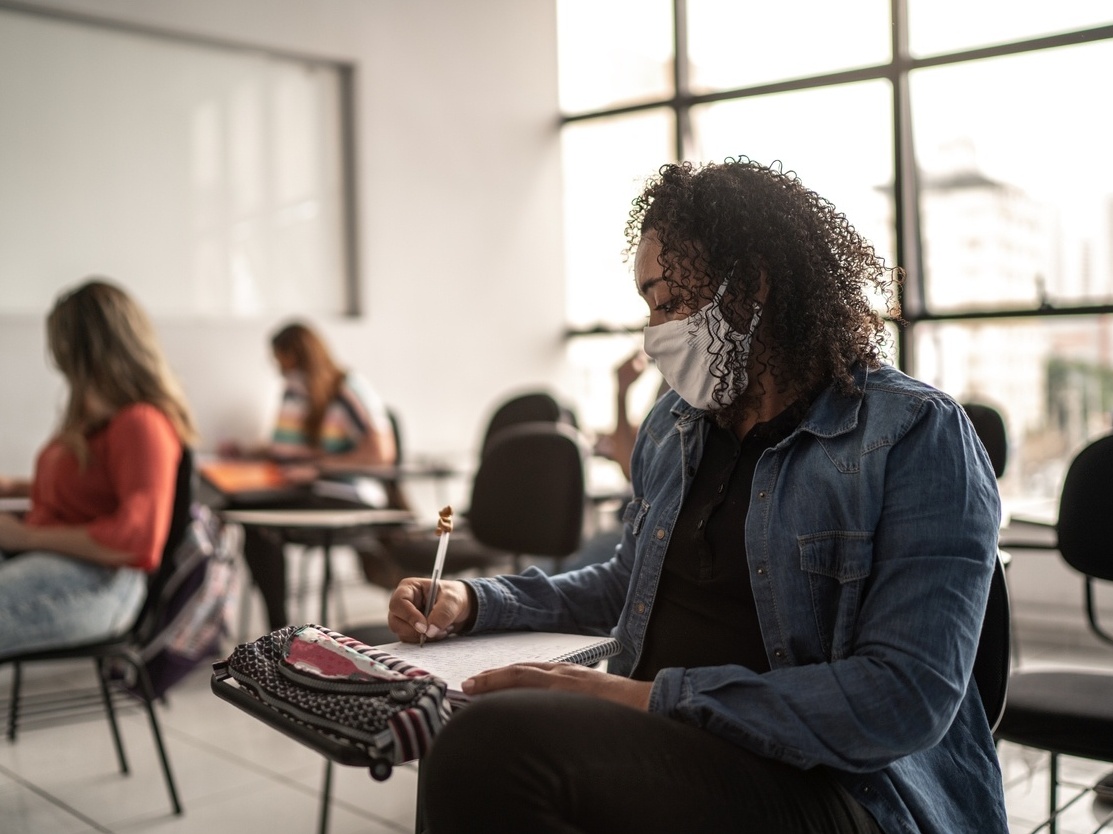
(830, 415)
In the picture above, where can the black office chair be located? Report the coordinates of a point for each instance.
(108, 655)
(990, 426)
(526, 407)
(528, 499)
(1070, 713)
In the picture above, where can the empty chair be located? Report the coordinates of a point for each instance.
(1070, 712)
(532, 476)
(527, 407)
(990, 427)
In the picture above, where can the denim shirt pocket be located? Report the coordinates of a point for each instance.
(837, 565)
(634, 514)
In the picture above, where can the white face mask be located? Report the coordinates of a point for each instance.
(685, 350)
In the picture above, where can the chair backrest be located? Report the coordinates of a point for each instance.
(1085, 525)
(992, 661)
(528, 495)
(184, 494)
(529, 407)
(990, 426)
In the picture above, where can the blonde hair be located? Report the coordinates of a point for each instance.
(323, 377)
(104, 345)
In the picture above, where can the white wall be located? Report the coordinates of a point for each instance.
(459, 228)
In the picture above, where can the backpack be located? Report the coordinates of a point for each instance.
(194, 606)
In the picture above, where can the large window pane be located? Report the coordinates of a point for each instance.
(734, 44)
(613, 53)
(1051, 378)
(952, 25)
(809, 133)
(1017, 181)
(606, 163)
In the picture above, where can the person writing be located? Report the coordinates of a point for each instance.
(329, 420)
(74, 568)
(802, 577)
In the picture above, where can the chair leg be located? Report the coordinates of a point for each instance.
(1053, 777)
(149, 702)
(326, 798)
(13, 706)
(110, 711)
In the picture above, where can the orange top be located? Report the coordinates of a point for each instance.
(125, 495)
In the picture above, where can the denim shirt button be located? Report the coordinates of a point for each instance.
(640, 607)
(779, 654)
(761, 571)
(660, 533)
(761, 494)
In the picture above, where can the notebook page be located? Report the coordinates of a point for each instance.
(455, 659)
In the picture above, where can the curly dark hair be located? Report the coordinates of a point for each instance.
(731, 222)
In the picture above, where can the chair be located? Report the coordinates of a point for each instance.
(990, 427)
(1070, 713)
(532, 475)
(108, 654)
(526, 407)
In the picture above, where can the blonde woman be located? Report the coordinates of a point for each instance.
(74, 568)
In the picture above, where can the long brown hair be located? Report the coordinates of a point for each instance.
(323, 377)
(103, 344)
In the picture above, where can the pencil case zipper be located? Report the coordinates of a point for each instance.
(401, 691)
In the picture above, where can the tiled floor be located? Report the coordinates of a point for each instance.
(234, 774)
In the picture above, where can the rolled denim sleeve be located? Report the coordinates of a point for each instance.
(586, 601)
(913, 635)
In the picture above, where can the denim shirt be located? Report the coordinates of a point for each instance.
(871, 539)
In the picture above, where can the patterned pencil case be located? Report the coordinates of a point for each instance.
(349, 691)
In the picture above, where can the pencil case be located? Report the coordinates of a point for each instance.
(351, 693)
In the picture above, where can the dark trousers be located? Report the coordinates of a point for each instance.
(537, 761)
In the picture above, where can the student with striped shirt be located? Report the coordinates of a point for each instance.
(329, 419)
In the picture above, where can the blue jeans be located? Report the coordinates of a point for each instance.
(50, 601)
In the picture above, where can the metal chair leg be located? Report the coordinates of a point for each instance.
(13, 706)
(149, 702)
(326, 798)
(110, 711)
(1053, 776)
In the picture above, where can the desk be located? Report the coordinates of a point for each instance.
(325, 522)
(15, 505)
(437, 471)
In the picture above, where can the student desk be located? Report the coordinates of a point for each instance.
(327, 523)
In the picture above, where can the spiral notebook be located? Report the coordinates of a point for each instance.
(455, 659)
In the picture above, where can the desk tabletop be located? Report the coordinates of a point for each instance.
(320, 519)
(15, 505)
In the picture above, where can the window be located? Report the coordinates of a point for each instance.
(1009, 253)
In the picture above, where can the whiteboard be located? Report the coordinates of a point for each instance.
(207, 179)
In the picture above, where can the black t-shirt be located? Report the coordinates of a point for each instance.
(704, 612)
